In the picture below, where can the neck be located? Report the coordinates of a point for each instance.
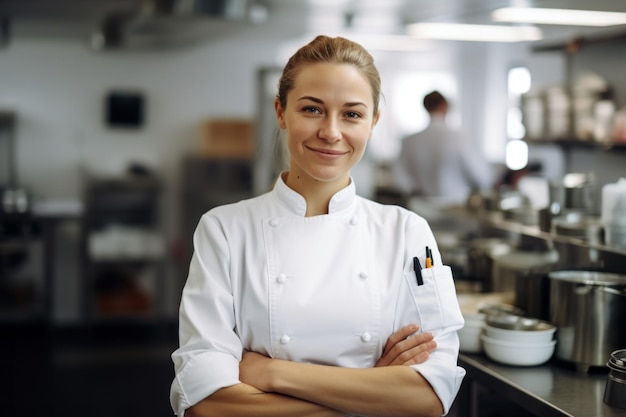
(438, 114)
(317, 194)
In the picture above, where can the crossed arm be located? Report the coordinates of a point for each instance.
(278, 388)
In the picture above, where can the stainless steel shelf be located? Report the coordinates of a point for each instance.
(495, 219)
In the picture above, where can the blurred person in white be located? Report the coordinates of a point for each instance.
(304, 301)
(440, 163)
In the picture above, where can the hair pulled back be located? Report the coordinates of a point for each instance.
(325, 49)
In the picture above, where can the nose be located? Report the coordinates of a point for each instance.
(329, 130)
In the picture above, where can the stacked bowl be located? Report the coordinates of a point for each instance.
(475, 321)
(471, 332)
(516, 340)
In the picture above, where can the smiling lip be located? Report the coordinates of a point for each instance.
(328, 152)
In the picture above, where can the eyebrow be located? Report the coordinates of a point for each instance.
(348, 104)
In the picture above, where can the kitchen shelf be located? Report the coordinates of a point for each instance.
(123, 250)
(574, 253)
(495, 219)
(579, 144)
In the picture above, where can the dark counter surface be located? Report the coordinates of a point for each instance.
(555, 389)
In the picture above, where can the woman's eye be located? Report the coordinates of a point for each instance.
(311, 110)
(352, 115)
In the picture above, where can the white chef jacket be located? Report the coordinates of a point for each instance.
(441, 163)
(326, 289)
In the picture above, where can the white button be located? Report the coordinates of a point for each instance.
(366, 337)
(362, 275)
(274, 222)
(284, 339)
(282, 278)
(354, 221)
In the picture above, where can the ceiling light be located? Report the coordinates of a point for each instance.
(480, 33)
(558, 16)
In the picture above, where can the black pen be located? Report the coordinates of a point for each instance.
(418, 270)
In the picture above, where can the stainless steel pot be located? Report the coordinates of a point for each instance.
(525, 274)
(517, 265)
(576, 191)
(589, 309)
(615, 389)
(480, 255)
(578, 225)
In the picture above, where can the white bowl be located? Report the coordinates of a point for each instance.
(474, 318)
(469, 337)
(539, 334)
(516, 353)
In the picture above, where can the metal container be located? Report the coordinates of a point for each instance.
(578, 225)
(576, 191)
(588, 308)
(615, 389)
(480, 255)
(520, 271)
(525, 215)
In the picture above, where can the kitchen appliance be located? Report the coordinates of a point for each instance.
(613, 216)
(615, 389)
(588, 307)
(14, 201)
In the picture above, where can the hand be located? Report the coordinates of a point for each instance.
(253, 370)
(406, 348)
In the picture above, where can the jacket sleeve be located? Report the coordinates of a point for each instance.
(210, 350)
(435, 307)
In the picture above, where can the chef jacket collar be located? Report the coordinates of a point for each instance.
(342, 200)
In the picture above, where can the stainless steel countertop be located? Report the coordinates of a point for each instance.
(555, 389)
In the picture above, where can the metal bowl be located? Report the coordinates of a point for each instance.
(500, 309)
(514, 322)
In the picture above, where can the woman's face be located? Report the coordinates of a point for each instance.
(328, 121)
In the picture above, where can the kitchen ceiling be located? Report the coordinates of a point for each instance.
(117, 21)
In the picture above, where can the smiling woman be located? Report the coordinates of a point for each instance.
(329, 117)
(304, 300)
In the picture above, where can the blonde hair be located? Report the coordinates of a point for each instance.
(325, 49)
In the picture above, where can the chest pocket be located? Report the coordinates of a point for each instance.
(435, 301)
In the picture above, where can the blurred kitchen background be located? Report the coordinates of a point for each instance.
(122, 121)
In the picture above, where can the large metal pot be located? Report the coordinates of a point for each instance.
(589, 309)
(480, 255)
(525, 274)
(576, 191)
(517, 265)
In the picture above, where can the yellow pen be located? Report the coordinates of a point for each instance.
(429, 258)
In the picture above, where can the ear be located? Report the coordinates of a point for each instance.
(279, 113)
